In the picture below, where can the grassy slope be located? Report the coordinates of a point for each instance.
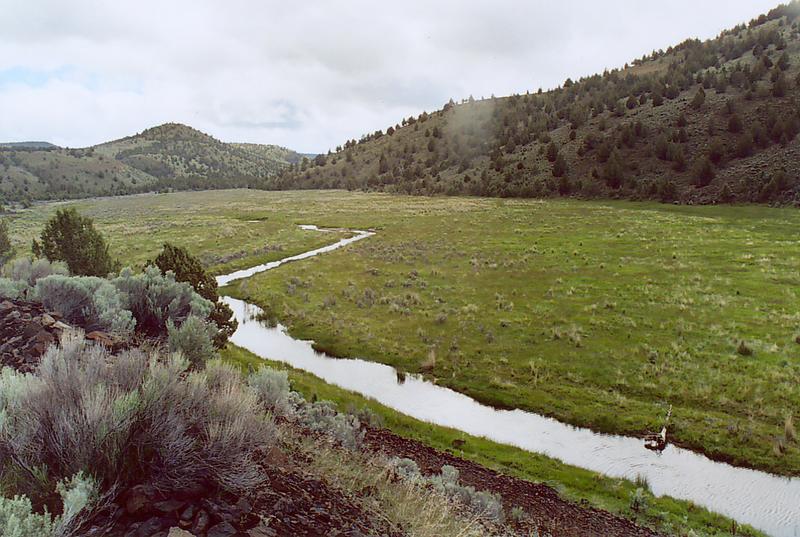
(663, 513)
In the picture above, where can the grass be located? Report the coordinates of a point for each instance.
(227, 229)
(663, 513)
(600, 314)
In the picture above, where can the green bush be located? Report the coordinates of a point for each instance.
(155, 298)
(188, 268)
(17, 519)
(90, 302)
(322, 417)
(70, 237)
(6, 249)
(29, 272)
(194, 339)
(272, 388)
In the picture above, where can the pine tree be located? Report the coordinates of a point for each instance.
(552, 152)
(703, 171)
(72, 238)
(559, 166)
(699, 98)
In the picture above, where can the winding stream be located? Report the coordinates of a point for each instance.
(767, 502)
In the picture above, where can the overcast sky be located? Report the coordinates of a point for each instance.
(307, 74)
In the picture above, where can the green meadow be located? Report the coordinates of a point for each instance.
(601, 314)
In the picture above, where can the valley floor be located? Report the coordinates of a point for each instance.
(600, 314)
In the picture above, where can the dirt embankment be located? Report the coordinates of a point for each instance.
(552, 514)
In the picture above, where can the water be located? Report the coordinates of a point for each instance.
(768, 502)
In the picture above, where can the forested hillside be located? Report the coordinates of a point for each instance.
(702, 122)
(170, 156)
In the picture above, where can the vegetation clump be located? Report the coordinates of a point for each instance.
(72, 238)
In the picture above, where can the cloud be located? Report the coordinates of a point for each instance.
(308, 75)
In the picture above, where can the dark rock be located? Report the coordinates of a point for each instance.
(169, 506)
(201, 522)
(223, 529)
(138, 499)
(188, 513)
(150, 527)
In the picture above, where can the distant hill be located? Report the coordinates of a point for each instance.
(169, 156)
(702, 122)
(29, 145)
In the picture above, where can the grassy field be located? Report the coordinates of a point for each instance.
(670, 516)
(599, 314)
(227, 229)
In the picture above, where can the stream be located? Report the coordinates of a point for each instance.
(768, 502)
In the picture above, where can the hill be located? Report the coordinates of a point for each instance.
(170, 156)
(702, 122)
(29, 145)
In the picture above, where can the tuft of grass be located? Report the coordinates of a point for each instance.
(743, 349)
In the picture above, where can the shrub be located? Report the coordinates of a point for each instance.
(17, 519)
(322, 417)
(133, 419)
(72, 238)
(743, 349)
(154, 298)
(703, 171)
(194, 339)
(272, 388)
(483, 503)
(638, 501)
(11, 288)
(87, 301)
(188, 268)
(6, 250)
(406, 468)
(29, 272)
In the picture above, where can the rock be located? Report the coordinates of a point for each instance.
(223, 529)
(47, 320)
(168, 506)
(138, 499)
(177, 532)
(188, 513)
(100, 338)
(61, 326)
(44, 337)
(262, 530)
(150, 527)
(201, 522)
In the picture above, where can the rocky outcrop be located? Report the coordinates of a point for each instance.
(26, 330)
(142, 512)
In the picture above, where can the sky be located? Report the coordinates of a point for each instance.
(308, 74)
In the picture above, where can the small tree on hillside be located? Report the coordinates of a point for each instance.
(734, 123)
(552, 152)
(6, 250)
(188, 268)
(559, 166)
(72, 238)
(699, 98)
(703, 171)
